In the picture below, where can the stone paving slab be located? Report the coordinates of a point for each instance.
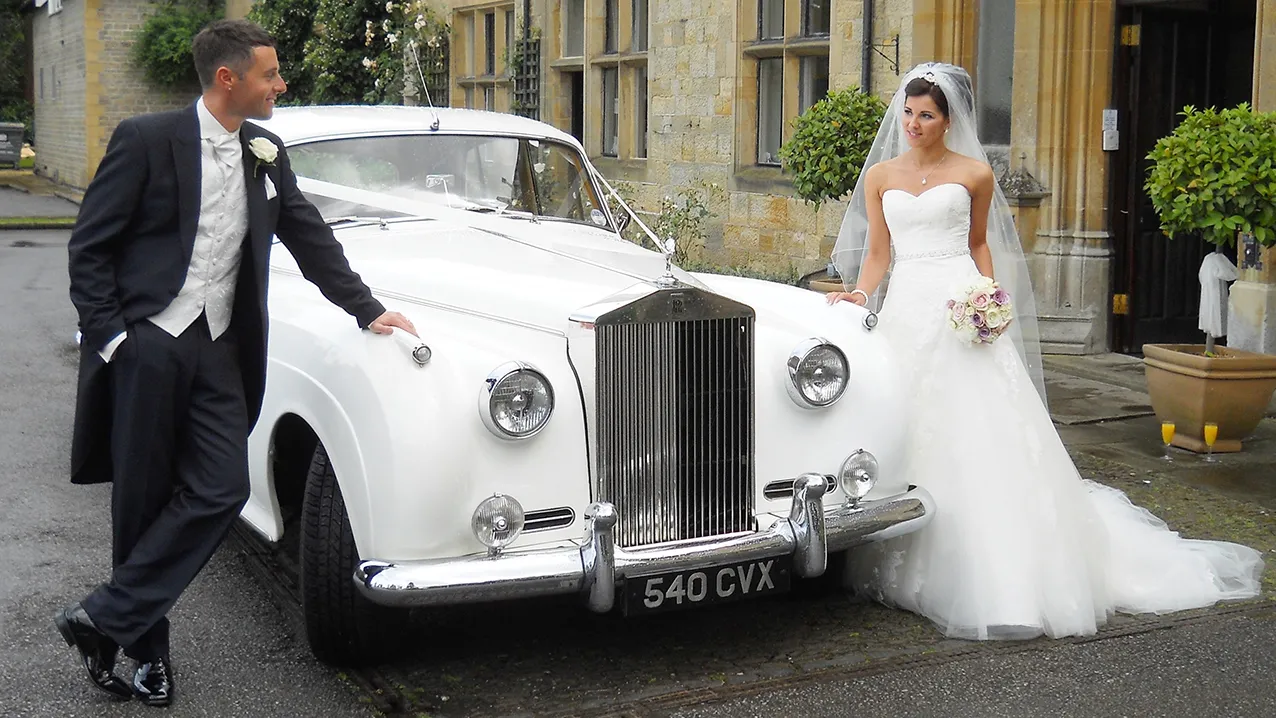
(1077, 400)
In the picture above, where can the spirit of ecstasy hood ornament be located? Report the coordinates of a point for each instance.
(667, 248)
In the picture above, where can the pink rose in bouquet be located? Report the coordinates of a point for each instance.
(980, 312)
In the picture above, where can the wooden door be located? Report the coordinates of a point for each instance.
(1170, 54)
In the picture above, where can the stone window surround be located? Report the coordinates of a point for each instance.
(792, 48)
(630, 65)
(472, 81)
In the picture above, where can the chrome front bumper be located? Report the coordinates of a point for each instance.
(594, 566)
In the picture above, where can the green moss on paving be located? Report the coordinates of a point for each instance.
(36, 222)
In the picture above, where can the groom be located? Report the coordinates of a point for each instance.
(168, 264)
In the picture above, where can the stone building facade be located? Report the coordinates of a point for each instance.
(86, 82)
(669, 94)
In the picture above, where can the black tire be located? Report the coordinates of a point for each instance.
(343, 627)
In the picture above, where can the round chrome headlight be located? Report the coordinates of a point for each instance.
(817, 373)
(858, 475)
(516, 401)
(497, 521)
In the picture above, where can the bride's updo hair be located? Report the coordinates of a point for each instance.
(920, 86)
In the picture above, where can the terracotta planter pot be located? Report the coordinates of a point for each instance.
(825, 286)
(1189, 388)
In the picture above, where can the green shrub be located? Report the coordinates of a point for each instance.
(355, 52)
(163, 48)
(15, 60)
(1216, 175)
(290, 23)
(830, 142)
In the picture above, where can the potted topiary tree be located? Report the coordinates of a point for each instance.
(1213, 177)
(826, 153)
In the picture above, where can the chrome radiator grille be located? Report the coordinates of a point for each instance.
(675, 416)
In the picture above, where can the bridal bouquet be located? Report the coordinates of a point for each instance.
(980, 312)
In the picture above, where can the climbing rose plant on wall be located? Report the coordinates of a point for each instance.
(290, 23)
(356, 48)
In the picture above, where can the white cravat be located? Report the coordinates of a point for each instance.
(209, 287)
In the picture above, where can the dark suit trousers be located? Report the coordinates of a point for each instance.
(179, 444)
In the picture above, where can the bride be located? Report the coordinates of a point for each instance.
(1021, 545)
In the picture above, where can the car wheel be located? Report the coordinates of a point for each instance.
(343, 627)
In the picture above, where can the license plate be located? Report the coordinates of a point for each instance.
(698, 587)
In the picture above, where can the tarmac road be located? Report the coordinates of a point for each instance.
(235, 653)
(15, 203)
(1214, 668)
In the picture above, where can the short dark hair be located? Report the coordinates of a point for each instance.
(229, 43)
(920, 86)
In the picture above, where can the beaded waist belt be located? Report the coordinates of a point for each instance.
(932, 254)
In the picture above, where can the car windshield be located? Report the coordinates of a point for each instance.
(400, 175)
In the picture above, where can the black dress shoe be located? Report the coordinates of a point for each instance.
(153, 683)
(96, 650)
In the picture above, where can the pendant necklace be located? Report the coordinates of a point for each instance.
(932, 169)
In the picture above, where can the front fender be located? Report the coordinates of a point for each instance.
(407, 442)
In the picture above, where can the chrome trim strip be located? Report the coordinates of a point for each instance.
(653, 281)
(410, 299)
(405, 130)
(593, 566)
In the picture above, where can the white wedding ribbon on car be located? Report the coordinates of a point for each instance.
(1216, 271)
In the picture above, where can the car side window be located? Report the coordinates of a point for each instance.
(560, 183)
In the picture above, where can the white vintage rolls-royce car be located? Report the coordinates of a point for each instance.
(578, 417)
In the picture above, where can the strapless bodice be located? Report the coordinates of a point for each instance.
(931, 225)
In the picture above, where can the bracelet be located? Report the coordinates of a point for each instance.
(860, 291)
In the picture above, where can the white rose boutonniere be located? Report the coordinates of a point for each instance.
(265, 151)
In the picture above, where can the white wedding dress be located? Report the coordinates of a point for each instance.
(1020, 545)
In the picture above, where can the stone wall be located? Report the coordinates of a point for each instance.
(58, 68)
(703, 124)
(86, 83)
(115, 88)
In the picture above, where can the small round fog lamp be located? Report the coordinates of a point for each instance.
(497, 521)
(858, 475)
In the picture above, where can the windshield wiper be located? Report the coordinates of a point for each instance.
(503, 212)
(352, 220)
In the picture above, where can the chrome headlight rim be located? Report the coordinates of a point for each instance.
(798, 356)
(858, 475)
(487, 394)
